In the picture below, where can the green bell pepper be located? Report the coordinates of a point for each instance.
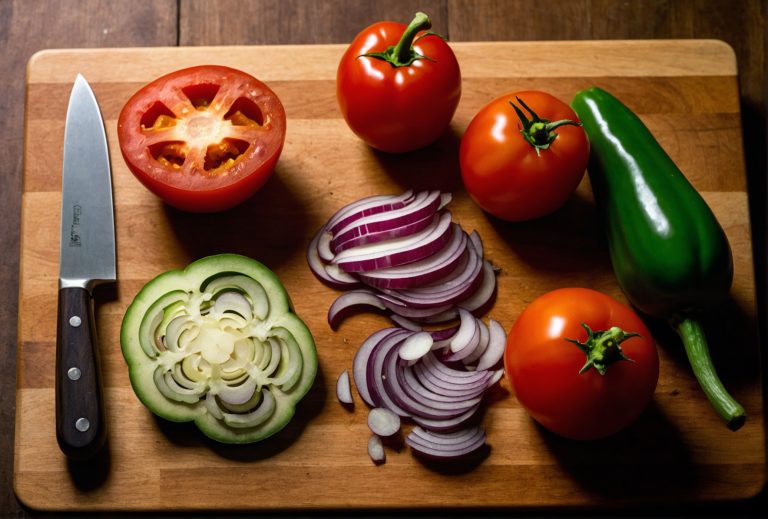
(218, 344)
(669, 253)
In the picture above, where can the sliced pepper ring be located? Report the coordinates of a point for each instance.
(218, 344)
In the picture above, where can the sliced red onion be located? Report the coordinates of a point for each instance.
(353, 239)
(383, 422)
(442, 387)
(437, 446)
(467, 330)
(343, 391)
(423, 271)
(324, 245)
(424, 205)
(442, 338)
(477, 243)
(347, 302)
(450, 375)
(318, 267)
(485, 291)
(415, 346)
(437, 393)
(376, 449)
(447, 425)
(496, 344)
(360, 362)
(399, 251)
(366, 206)
(481, 345)
(404, 322)
(375, 374)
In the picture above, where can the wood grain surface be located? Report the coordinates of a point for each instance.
(30, 25)
(686, 91)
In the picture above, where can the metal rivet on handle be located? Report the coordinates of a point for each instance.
(75, 321)
(82, 424)
(74, 373)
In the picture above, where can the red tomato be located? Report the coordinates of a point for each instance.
(402, 106)
(517, 177)
(204, 138)
(547, 371)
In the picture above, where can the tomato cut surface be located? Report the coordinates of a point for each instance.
(204, 138)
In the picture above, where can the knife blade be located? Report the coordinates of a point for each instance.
(87, 259)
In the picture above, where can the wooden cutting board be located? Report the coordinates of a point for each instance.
(677, 452)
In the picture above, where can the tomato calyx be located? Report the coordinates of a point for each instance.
(403, 54)
(539, 133)
(602, 347)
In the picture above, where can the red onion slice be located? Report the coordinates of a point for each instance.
(375, 374)
(423, 271)
(343, 391)
(481, 345)
(437, 393)
(399, 251)
(364, 237)
(383, 422)
(442, 387)
(437, 446)
(424, 205)
(366, 206)
(496, 345)
(318, 267)
(360, 362)
(467, 330)
(348, 301)
(485, 291)
(404, 322)
(446, 425)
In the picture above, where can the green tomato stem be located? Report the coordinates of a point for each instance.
(403, 52)
(697, 350)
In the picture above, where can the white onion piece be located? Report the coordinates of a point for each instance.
(365, 206)
(477, 243)
(360, 362)
(376, 449)
(383, 422)
(496, 344)
(343, 391)
(348, 301)
(467, 349)
(415, 346)
(445, 199)
(324, 245)
(423, 271)
(398, 251)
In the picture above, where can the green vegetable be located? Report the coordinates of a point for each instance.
(218, 344)
(670, 255)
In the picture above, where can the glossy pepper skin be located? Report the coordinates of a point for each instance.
(670, 255)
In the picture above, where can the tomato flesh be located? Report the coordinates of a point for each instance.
(544, 368)
(203, 139)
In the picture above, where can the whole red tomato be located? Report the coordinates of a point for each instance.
(398, 87)
(204, 138)
(581, 391)
(523, 155)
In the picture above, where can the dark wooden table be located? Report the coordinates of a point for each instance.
(30, 25)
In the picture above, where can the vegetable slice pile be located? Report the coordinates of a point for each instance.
(404, 256)
(218, 344)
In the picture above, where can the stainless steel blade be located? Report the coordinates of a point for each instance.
(87, 215)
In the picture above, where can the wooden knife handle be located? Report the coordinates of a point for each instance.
(80, 426)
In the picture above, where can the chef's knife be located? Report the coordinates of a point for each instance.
(87, 259)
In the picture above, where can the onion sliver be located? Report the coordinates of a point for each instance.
(398, 251)
(346, 303)
(343, 391)
(415, 346)
(376, 449)
(496, 343)
(383, 422)
(319, 268)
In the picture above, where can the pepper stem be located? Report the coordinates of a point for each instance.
(695, 343)
(537, 131)
(403, 54)
(603, 348)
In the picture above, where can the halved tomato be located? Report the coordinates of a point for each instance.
(204, 138)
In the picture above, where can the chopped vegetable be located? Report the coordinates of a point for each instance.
(343, 391)
(403, 255)
(376, 449)
(670, 254)
(383, 422)
(218, 344)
